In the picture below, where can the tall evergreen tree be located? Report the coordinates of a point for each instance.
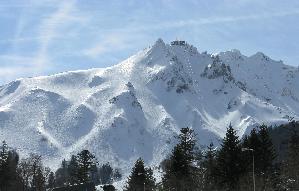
(38, 180)
(267, 151)
(266, 156)
(247, 156)
(8, 168)
(13, 161)
(4, 167)
(4, 153)
(291, 170)
(209, 165)
(51, 181)
(25, 174)
(251, 141)
(116, 174)
(73, 170)
(141, 178)
(32, 175)
(229, 167)
(62, 174)
(106, 174)
(85, 162)
(94, 174)
(180, 171)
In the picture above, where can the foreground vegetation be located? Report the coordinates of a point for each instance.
(229, 167)
(188, 168)
(29, 174)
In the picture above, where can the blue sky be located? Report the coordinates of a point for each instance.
(40, 37)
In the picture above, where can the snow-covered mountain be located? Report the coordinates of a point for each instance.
(135, 108)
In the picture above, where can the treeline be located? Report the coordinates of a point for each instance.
(83, 168)
(267, 158)
(238, 164)
(280, 137)
(30, 174)
(25, 174)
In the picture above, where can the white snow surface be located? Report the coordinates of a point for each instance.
(135, 108)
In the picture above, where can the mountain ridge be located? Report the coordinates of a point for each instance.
(135, 108)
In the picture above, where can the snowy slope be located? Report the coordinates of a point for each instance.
(136, 107)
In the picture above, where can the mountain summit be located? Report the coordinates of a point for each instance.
(134, 108)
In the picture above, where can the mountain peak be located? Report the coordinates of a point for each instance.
(134, 108)
(159, 43)
(233, 54)
(260, 56)
(236, 51)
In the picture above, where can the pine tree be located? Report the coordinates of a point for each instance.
(106, 173)
(251, 141)
(209, 165)
(141, 178)
(292, 162)
(39, 180)
(116, 174)
(247, 156)
(229, 167)
(85, 162)
(180, 171)
(13, 160)
(73, 171)
(265, 159)
(94, 174)
(8, 168)
(264, 154)
(267, 151)
(4, 167)
(25, 173)
(4, 153)
(62, 174)
(51, 181)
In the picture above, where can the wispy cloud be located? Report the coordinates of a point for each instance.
(213, 20)
(49, 29)
(16, 60)
(18, 39)
(43, 37)
(209, 20)
(111, 42)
